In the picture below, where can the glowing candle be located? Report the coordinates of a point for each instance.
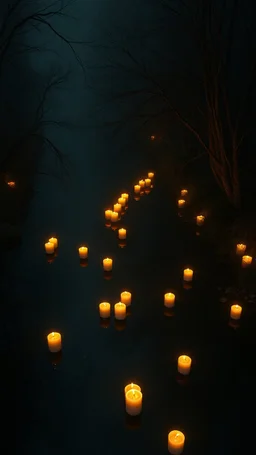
(176, 441)
(107, 264)
(117, 207)
(169, 299)
(126, 298)
(133, 402)
(54, 342)
(132, 386)
(121, 201)
(125, 196)
(114, 216)
(188, 275)
(235, 312)
(147, 182)
(181, 203)
(11, 184)
(120, 311)
(151, 175)
(200, 220)
(49, 248)
(184, 364)
(54, 241)
(246, 260)
(136, 189)
(240, 249)
(104, 308)
(122, 233)
(152, 137)
(142, 183)
(184, 192)
(108, 214)
(83, 252)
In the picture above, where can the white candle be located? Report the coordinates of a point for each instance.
(176, 441)
(188, 275)
(200, 220)
(184, 364)
(246, 260)
(181, 203)
(125, 196)
(126, 298)
(133, 402)
(114, 216)
(104, 308)
(132, 386)
(120, 311)
(107, 264)
(151, 175)
(54, 241)
(83, 252)
(136, 189)
(235, 312)
(240, 249)
(184, 192)
(147, 182)
(49, 248)
(121, 201)
(54, 342)
(122, 233)
(117, 207)
(108, 214)
(169, 299)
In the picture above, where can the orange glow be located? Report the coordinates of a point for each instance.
(11, 184)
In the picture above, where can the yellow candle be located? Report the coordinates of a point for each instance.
(117, 207)
(151, 175)
(122, 233)
(200, 220)
(54, 342)
(125, 196)
(142, 183)
(120, 311)
(240, 249)
(107, 264)
(176, 441)
(136, 189)
(188, 275)
(108, 214)
(83, 252)
(181, 203)
(114, 216)
(184, 364)
(104, 308)
(246, 260)
(147, 182)
(126, 298)
(49, 248)
(235, 312)
(132, 386)
(121, 201)
(169, 299)
(54, 241)
(133, 402)
(184, 192)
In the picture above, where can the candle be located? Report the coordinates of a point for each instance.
(49, 248)
(152, 137)
(188, 275)
(125, 196)
(246, 260)
(235, 312)
(121, 201)
(126, 298)
(108, 214)
(114, 216)
(133, 402)
(181, 203)
(176, 440)
(184, 192)
(120, 311)
(240, 248)
(169, 299)
(122, 233)
(117, 207)
(151, 175)
(132, 386)
(136, 189)
(107, 264)
(83, 252)
(184, 364)
(142, 183)
(147, 182)
(200, 220)
(104, 308)
(54, 241)
(54, 342)
(11, 184)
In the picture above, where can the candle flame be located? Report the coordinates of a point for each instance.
(53, 334)
(177, 435)
(132, 385)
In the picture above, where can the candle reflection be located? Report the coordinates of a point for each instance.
(168, 312)
(104, 323)
(132, 422)
(122, 243)
(136, 198)
(187, 286)
(182, 380)
(107, 275)
(84, 262)
(55, 358)
(120, 324)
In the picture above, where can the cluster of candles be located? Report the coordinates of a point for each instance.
(119, 307)
(200, 219)
(246, 260)
(144, 184)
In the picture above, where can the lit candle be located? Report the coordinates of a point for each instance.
(147, 182)
(240, 249)
(200, 220)
(107, 264)
(83, 252)
(122, 233)
(142, 183)
(121, 201)
(181, 203)
(132, 386)
(184, 364)
(117, 207)
(151, 175)
(104, 308)
(125, 196)
(11, 184)
(133, 402)
(184, 192)
(49, 248)
(188, 275)
(246, 260)
(235, 312)
(126, 298)
(169, 299)
(108, 214)
(114, 216)
(176, 441)
(54, 342)
(136, 189)
(152, 137)
(54, 241)
(120, 311)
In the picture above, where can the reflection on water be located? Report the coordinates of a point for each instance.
(83, 262)
(107, 275)
(119, 325)
(105, 323)
(132, 422)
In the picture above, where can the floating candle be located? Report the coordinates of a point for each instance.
(107, 264)
(126, 297)
(188, 275)
(235, 312)
(121, 201)
(136, 189)
(147, 182)
(122, 233)
(169, 299)
(142, 183)
(151, 175)
(117, 207)
(108, 214)
(54, 241)
(83, 252)
(240, 248)
(114, 216)
(184, 364)
(125, 196)
(133, 402)
(120, 311)
(49, 248)
(54, 342)
(181, 203)
(200, 220)
(246, 261)
(184, 192)
(104, 308)
(11, 184)
(176, 441)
